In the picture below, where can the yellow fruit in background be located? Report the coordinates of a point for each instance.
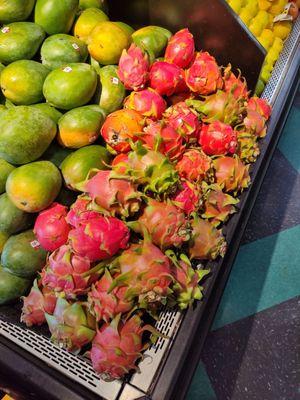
(252, 8)
(266, 38)
(278, 44)
(272, 56)
(264, 4)
(277, 7)
(263, 18)
(270, 23)
(87, 22)
(256, 28)
(282, 29)
(236, 5)
(245, 16)
(266, 72)
(260, 86)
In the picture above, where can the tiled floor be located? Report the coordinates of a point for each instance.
(253, 350)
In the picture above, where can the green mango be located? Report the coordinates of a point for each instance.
(25, 134)
(56, 16)
(71, 86)
(76, 166)
(81, 126)
(2, 97)
(50, 111)
(5, 170)
(101, 4)
(15, 10)
(3, 239)
(127, 28)
(153, 39)
(12, 219)
(20, 41)
(23, 256)
(111, 91)
(56, 154)
(61, 49)
(87, 21)
(12, 287)
(22, 82)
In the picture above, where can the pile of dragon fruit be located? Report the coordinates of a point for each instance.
(183, 144)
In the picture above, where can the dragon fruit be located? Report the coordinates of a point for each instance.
(119, 163)
(186, 281)
(113, 195)
(248, 148)
(217, 138)
(165, 223)
(204, 76)
(99, 238)
(71, 326)
(51, 228)
(231, 174)
(134, 68)
(255, 123)
(207, 242)
(188, 198)
(146, 271)
(184, 120)
(36, 304)
(161, 137)
(166, 78)
(236, 85)
(217, 206)
(194, 166)
(147, 102)
(180, 49)
(153, 170)
(261, 106)
(117, 347)
(221, 106)
(105, 304)
(66, 272)
(180, 97)
(80, 210)
(121, 128)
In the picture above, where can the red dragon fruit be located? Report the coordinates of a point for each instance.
(165, 223)
(184, 120)
(236, 85)
(186, 286)
(36, 304)
(255, 123)
(218, 138)
(231, 174)
(99, 238)
(204, 76)
(117, 347)
(71, 326)
(105, 304)
(66, 272)
(51, 227)
(180, 97)
(261, 106)
(217, 206)
(119, 163)
(180, 49)
(161, 137)
(80, 210)
(166, 78)
(194, 166)
(147, 102)
(188, 197)
(207, 242)
(113, 195)
(134, 68)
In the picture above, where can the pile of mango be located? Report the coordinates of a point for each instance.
(270, 21)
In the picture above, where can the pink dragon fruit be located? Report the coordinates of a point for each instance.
(161, 137)
(184, 120)
(36, 304)
(236, 85)
(117, 347)
(80, 210)
(147, 102)
(188, 198)
(261, 106)
(255, 123)
(51, 227)
(204, 76)
(67, 272)
(71, 326)
(207, 242)
(166, 78)
(120, 163)
(105, 304)
(113, 195)
(194, 166)
(99, 238)
(180, 97)
(218, 138)
(134, 68)
(165, 223)
(180, 49)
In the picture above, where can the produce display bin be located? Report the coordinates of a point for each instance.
(31, 367)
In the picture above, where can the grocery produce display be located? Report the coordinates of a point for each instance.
(122, 155)
(271, 21)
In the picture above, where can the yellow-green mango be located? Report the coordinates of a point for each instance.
(5, 170)
(15, 10)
